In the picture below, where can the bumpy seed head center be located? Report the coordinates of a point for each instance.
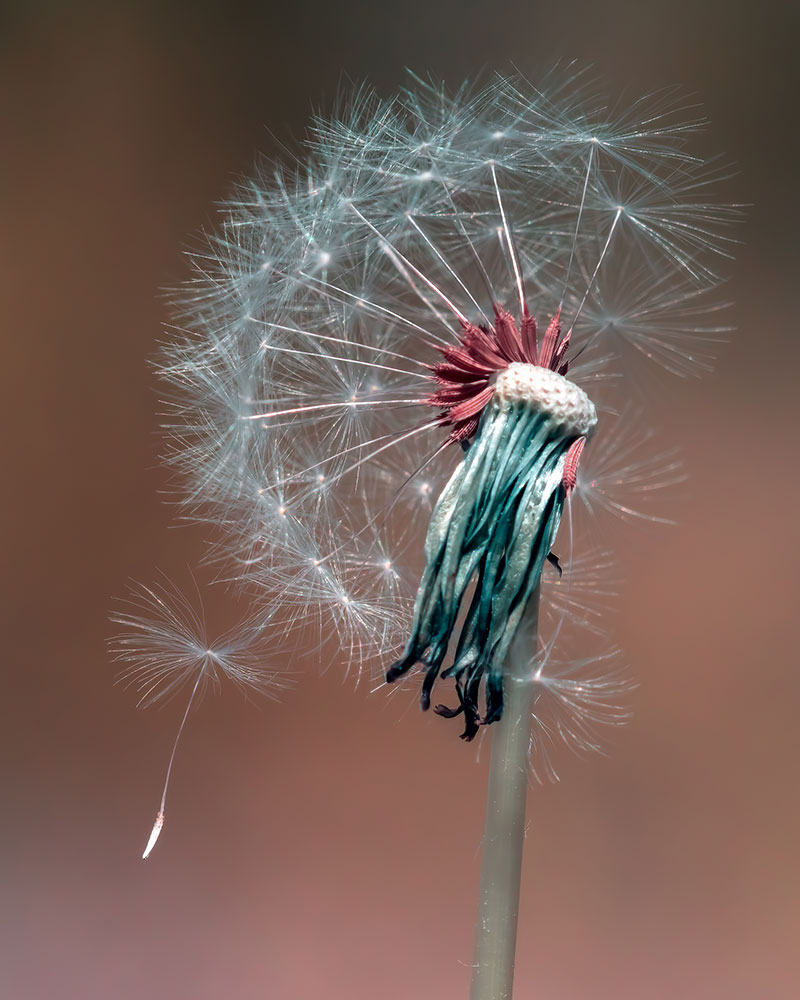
(542, 389)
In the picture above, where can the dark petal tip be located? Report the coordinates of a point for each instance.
(553, 559)
(494, 716)
(470, 730)
(448, 713)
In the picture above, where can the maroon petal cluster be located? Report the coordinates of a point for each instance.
(465, 376)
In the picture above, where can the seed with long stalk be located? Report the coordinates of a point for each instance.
(165, 646)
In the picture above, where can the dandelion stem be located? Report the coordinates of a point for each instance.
(504, 830)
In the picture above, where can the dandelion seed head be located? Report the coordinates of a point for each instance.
(348, 328)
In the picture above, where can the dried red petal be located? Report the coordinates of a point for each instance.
(507, 335)
(463, 377)
(471, 407)
(550, 341)
(530, 343)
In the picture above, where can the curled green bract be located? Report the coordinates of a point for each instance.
(490, 531)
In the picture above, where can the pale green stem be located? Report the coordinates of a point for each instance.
(504, 831)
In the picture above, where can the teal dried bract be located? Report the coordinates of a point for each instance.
(491, 532)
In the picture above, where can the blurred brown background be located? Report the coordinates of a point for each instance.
(328, 847)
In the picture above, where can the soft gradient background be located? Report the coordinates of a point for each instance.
(328, 847)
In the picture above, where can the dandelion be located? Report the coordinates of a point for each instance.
(418, 340)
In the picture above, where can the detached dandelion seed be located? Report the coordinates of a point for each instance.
(411, 344)
(165, 648)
